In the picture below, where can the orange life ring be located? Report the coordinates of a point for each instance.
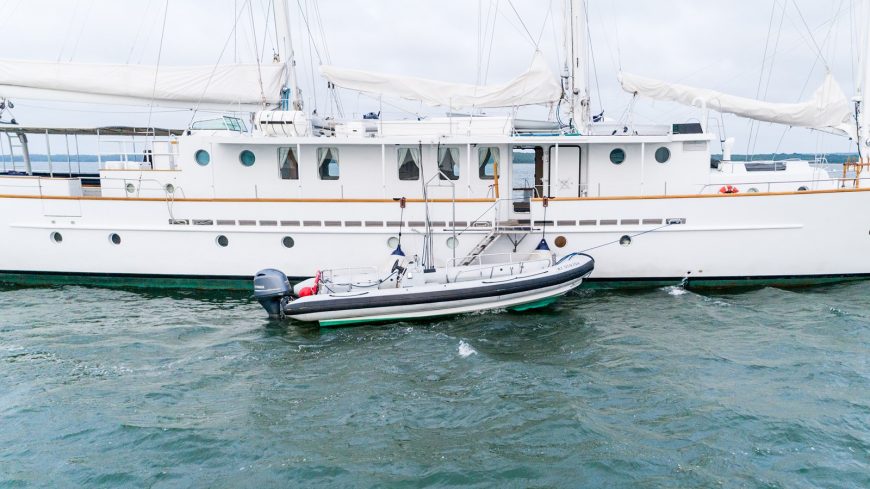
(729, 189)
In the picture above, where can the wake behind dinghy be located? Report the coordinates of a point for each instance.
(407, 289)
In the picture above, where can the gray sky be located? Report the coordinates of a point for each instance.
(707, 43)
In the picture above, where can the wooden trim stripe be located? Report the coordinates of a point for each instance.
(703, 196)
(315, 201)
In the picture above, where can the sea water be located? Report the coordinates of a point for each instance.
(766, 388)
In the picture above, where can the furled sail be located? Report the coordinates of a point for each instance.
(828, 109)
(536, 86)
(246, 85)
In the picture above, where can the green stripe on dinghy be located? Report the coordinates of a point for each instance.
(535, 305)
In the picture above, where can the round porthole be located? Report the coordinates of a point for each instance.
(202, 157)
(115, 238)
(803, 189)
(131, 188)
(170, 189)
(222, 241)
(753, 190)
(392, 243)
(561, 241)
(247, 158)
(57, 237)
(625, 240)
(663, 155)
(288, 242)
(617, 156)
(452, 243)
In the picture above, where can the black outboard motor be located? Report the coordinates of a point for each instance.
(272, 290)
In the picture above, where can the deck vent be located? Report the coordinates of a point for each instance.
(290, 223)
(588, 222)
(352, 224)
(247, 223)
(179, 222)
(609, 222)
(374, 224)
(203, 222)
(652, 221)
(226, 222)
(332, 224)
(566, 223)
(394, 224)
(268, 223)
(311, 224)
(630, 222)
(671, 221)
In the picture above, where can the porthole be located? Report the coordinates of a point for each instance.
(247, 158)
(625, 240)
(803, 189)
(202, 157)
(57, 237)
(115, 238)
(392, 243)
(663, 155)
(170, 189)
(222, 241)
(617, 156)
(288, 242)
(561, 241)
(753, 190)
(131, 188)
(452, 243)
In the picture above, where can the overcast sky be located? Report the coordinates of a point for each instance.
(706, 43)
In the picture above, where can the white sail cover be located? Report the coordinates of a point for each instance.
(536, 86)
(828, 109)
(238, 84)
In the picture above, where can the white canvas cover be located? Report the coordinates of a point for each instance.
(536, 86)
(828, 109)
(175, 85)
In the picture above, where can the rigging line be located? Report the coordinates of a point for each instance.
(751, 123)
(267, 12)
(256, 54)
(157, 68)
(770, 73)
(69, 28)
(544, 23)
(631, 236)
(82, 30)
(217, 63)
(311, 61)
(139, 32)
(810, 32)
(594, 65)
(491, 43)
(816, 60)
(528, 32)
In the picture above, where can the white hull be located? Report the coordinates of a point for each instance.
(807, 235)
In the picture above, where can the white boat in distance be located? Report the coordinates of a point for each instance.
(209, 204)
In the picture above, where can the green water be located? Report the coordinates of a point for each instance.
(765, 388)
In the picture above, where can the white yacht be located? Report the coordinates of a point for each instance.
(211, 204)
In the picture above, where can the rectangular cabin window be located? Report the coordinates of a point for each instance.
(327, 166)
(448, 163)
(288, 163)
(487, 162)
(409, 163)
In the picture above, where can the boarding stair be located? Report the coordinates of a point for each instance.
(515, 231)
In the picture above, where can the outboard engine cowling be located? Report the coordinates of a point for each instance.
(272, 290)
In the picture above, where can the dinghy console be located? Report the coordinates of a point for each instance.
(272, 290)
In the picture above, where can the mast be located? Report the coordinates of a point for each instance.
(862, 84)
(291, 84)
(576, 49)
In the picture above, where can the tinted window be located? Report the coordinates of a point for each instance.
(448, 163)
(328, 163)
(288, 164)
(487, 162)
(409, 163)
